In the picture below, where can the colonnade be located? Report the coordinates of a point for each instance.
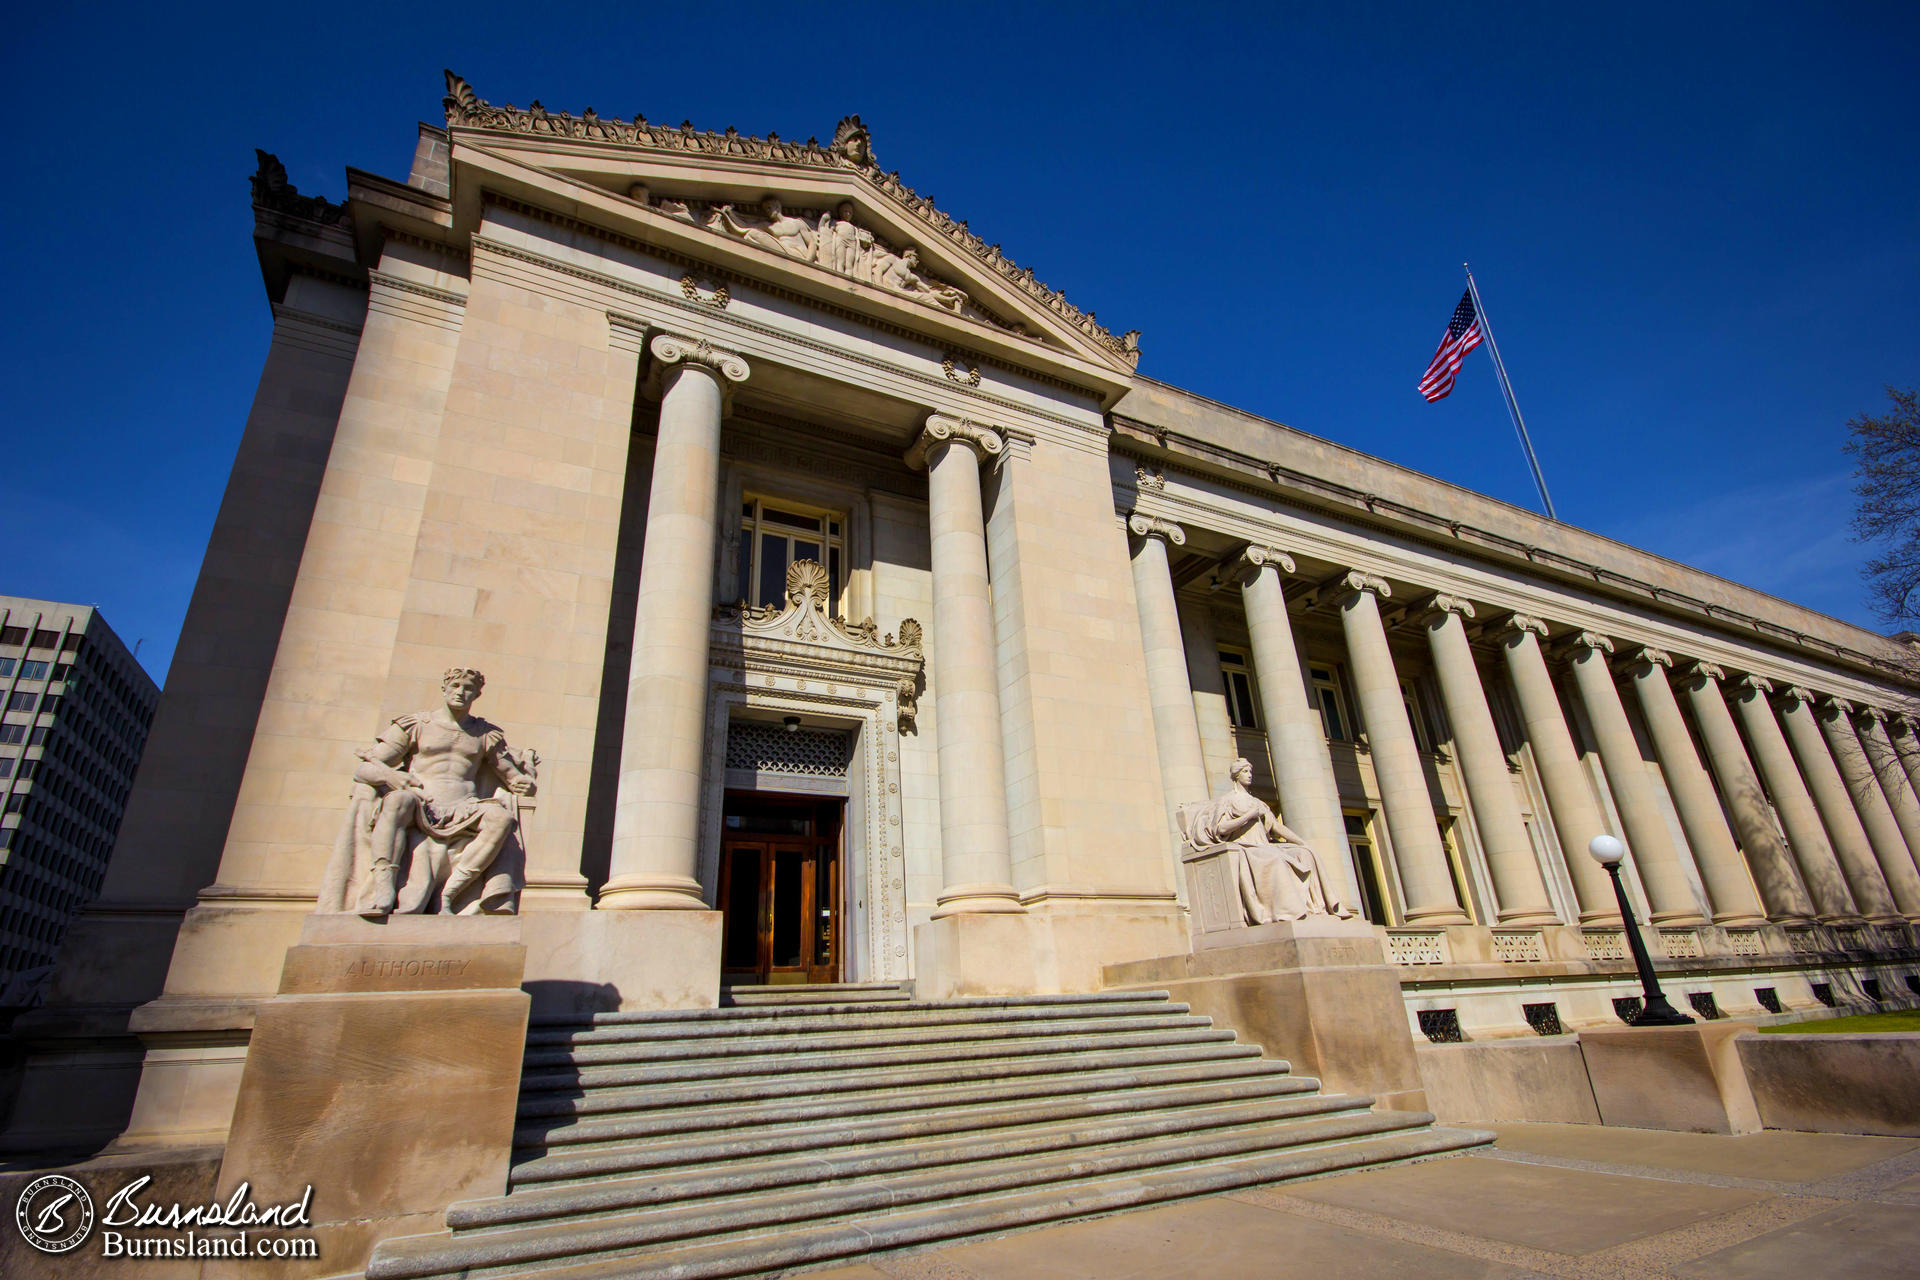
(1843, 780)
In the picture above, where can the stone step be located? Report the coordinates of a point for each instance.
(816, 993)
(633, 1088)
(850, 1152)
(630, 1048)
(799, 1061)
(857, 1009)
(726, 1118)
(629, 1244)
(900, 1019)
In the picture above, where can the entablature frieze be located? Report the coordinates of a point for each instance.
(660, 304)
(1550, 610)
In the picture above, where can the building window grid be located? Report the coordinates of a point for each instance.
(774, 533)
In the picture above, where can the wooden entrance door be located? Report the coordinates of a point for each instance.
(780, 889)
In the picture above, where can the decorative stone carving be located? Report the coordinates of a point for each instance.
(1519, 623)
(1699, 671)
(671, 349)
(433, 825)
(907, 699)
(1144, 526)
(1279, 877)
(1255, 557)
(271, 190)
(1150, 481)
(1357, 580)
(1797, 693)
(715, 295)
(1443, 603)
(850, 150)
(1754, 684)
(1646, 655)
(805, 617)
(1589, 640)
(940, 429)
(951, 364)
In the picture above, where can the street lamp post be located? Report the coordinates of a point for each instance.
(1654, 1009)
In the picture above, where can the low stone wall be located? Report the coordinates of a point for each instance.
(1538, 1081)
(1835, 1083)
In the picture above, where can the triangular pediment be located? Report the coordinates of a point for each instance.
(821, 217)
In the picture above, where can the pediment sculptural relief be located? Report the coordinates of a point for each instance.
(833, 240)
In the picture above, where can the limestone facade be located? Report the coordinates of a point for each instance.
(577, 404)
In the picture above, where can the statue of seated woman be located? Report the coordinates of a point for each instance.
(1280, 878)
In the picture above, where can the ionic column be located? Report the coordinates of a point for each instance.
(1773, 870)
(1883, 831)
(1183, 771)
(1424, 873)
(1669, 898)
(976, 859)
(1907, 747)
(1296, 737)
(1729, 890)
(1576, 817)
(1806, 833)
(1209, 692)
(1894, 783)
(1517, 884)
(1837, 813)
(656, 823)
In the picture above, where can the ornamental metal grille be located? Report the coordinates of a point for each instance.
(1823, 992)
(1442, 1026)
(1872, 987)
(1913, 983)
(771, 748)
(1627, 1008)
(1769, 998)
(1544, 1018)
(1705, 1005)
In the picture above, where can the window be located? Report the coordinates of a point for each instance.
(44, 639)
(775, 534)
(12, 733)
(1410, 699)
(31, 670)
(13, 635)
(1242, 707)
(1456, 868)
(1332, 701)
(1366, 861)
(22, 701)
(37, 736)
(60, 670)
(6, 666)
(6, 766)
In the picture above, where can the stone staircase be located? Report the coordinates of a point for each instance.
(801, 1126)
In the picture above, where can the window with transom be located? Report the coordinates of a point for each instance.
(774, 534)
(1242, 704)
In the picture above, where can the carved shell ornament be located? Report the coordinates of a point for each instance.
(807, 580)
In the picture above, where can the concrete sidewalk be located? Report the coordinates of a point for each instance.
(1572, 1201)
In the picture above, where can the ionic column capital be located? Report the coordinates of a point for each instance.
(1146, 526)
(1516, 625)
(725, 367)
(1750, 684)
(1834, 707)
(1355, 581)
(986, 441)
(1649, 657)
(1586, 642)
(1442, 606)
(1797, 693)
(1247, 566)
(1872, 715)
(1700, 673)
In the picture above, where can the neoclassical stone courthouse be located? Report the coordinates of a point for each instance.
(851, 609)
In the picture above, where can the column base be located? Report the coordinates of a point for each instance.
(977, 954)
(1601, 920)
(978, 900)
(1740, 920)
(652, 893)
(1676, 918)
(1438, 915)
(1527, 915)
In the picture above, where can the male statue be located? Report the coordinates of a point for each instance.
(1279, 876)
(430, 829)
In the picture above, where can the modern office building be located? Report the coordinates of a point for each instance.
(76, 712)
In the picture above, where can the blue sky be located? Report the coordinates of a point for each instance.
(1695, 228)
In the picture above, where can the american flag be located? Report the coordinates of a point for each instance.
(1463, 335)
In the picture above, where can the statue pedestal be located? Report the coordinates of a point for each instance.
(1317, 992)
(385, 1075)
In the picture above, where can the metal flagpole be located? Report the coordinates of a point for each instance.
(1506, 387)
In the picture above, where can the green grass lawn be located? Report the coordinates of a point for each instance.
(1866, 1022)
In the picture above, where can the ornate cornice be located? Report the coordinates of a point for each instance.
(697, 353)
(1145, 526)
(1255, 557)
(850, 151)
(988, 442)
(271, 190)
